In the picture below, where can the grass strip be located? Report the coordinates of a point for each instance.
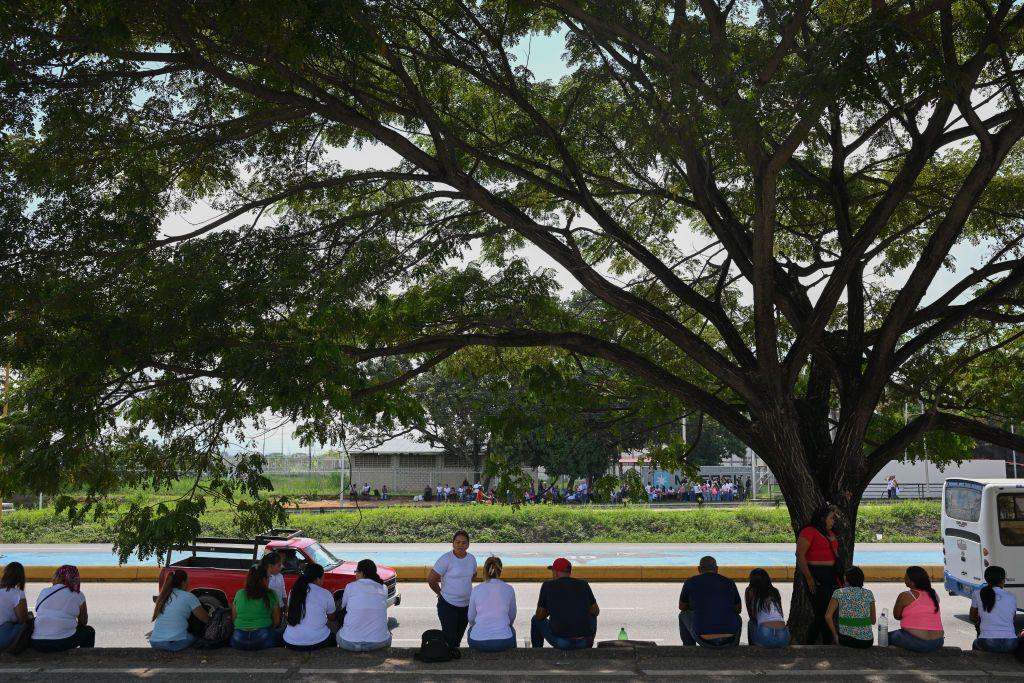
(904, 522)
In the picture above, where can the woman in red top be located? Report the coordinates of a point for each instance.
(817, 550)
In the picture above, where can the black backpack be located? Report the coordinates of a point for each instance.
(218, 630)
(433, 647)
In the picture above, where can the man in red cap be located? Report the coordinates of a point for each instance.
(566, 611)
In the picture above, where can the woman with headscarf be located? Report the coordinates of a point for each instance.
(365, 608)
(61, 616)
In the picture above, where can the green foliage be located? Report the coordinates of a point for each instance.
(907, 522)
(755, 202)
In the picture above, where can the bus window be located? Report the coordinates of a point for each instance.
(1011, 518)
(963, 503)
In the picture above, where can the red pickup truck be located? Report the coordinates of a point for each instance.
(217, 566)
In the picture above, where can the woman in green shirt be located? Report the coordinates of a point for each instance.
(852, 608)
(256, 613)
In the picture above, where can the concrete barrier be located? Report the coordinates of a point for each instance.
(518, 573)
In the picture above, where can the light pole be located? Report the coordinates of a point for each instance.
(7, 407)
(1014, 451)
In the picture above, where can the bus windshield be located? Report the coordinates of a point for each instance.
(1011, 518)
(963, 503)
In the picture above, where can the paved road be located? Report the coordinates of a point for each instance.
(121, 611)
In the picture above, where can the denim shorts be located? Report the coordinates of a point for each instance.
(768, 638)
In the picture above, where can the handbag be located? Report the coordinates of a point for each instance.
(839, 569)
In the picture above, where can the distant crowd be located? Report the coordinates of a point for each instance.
(263, 614)
(710, 490)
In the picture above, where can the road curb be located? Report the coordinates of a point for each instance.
(517, 573)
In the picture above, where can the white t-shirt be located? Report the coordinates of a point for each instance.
(58, 616)
(999, 622)
(9, 599)
(492, 611)
(277, 585)
(313, 628)
(366, 612)
(456, 577)
(769, 612)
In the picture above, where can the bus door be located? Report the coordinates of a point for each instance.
(1008, 552)
(961, 536)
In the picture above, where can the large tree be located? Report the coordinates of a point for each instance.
(792, 216)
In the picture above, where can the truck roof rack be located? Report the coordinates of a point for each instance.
(280, 534)
(235, 546)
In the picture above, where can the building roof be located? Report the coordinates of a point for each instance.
(405, 443)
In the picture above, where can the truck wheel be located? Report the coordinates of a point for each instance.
(209, 601)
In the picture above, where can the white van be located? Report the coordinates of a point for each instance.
(983, 525)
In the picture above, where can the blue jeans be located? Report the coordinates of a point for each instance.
(995, 644)
(766, 637)
(362, 647)
(540, 630)
(690, 637)
(900, 638)
(173, 645)
(498, 645)
(85, 636)
(9, 632)
(258, 639)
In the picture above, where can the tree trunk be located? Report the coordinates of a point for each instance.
(804, 494)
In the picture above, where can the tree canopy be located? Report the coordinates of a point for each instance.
(792, 216)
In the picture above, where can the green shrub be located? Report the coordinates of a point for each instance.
(911, 521)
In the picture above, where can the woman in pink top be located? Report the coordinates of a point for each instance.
(918, 611)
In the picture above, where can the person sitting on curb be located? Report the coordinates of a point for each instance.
(566, 611)
(256, 614)
(852, 608)
(365, 611)
(766, 627)
(918, 611)
(311, 613)
(14, 612)
(709, 608)
(273, 562)
(61, 615)
(993, 610)
(171, 614)
(492, 611)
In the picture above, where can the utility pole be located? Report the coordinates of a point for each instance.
(753, 473)
(7, 408)
(924, 444)
(1014, 451)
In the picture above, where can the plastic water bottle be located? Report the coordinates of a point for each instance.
(622, 634)
(883, 629)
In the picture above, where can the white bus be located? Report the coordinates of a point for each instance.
(983, 525)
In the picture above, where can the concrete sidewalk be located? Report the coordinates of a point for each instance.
(618, 663)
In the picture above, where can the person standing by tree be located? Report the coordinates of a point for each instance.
(451, 579)
(817, 553)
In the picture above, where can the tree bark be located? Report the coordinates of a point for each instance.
(805, 491)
